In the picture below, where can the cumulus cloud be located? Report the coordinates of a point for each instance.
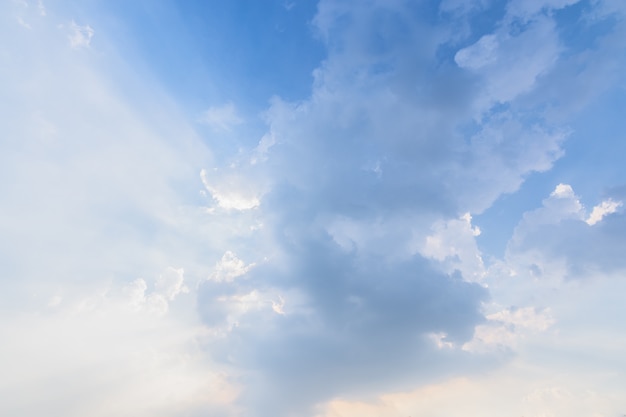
(229, 268)
(561, 240)
(453, 243)
(603, 209)
(367, 215)
(371, 179)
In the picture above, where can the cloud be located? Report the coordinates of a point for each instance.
(229, 268)
(561, 240)
(334, 260)
(230, 192)
(506, 328)
(80, 36)
(372, 183)
(511, 60)
(363, 179)
(222, 117)
(453, 243)
(479, 54)
(603, 209)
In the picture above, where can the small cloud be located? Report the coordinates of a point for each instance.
(23, 23)
(440, 340)
(262, 149)
(453, 243)
(41, 8)
(478, 55)
(229, 268)
(138, 299)
(80, 36)
(278, 306)
(230, 196)
(603, 209)
(563, 191)
(222, 117)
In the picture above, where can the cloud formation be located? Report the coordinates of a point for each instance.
(562, 239)
(366, 176)
(331, 256)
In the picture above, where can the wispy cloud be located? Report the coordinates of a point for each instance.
(222, 117)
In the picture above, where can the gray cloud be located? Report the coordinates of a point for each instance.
(358, 172)
(363, 326)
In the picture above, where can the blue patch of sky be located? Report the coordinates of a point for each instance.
(213, 52)
(579, 29)
(498, 222)
(595, 151)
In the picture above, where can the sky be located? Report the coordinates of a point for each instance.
(333, 208)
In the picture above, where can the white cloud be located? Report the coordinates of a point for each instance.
(171, 283)
(564, 191)
(222, 118)
(23, 23)
(478, 55)
(229, 268)
(156, 301)
(453, 243)
(603, 209)
(231, 193)
(563, 204)
(80, 36)
(41, 8)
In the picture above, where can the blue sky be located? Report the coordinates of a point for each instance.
(330, 208)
